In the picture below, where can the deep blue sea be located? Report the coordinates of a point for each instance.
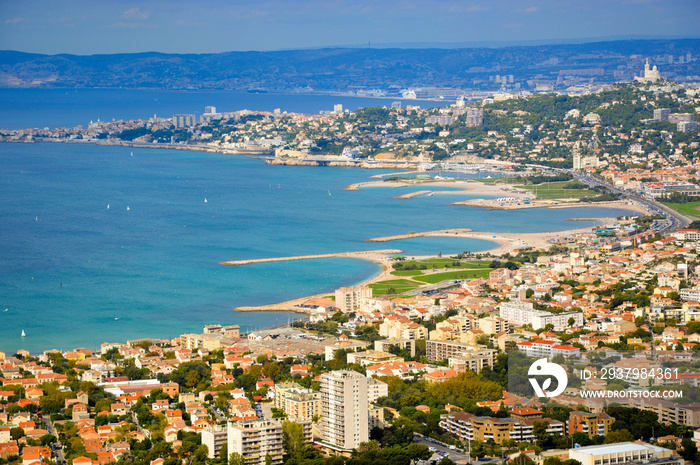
(52, 108)
(98, 245)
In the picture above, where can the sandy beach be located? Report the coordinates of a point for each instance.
(506, 243)
(492, 204)
(465, 187)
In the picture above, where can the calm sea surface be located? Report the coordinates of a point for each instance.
(97, 245)
(52, 108)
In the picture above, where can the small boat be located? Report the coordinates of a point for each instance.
(37, 218)
(205, 200)
(132, 154)
(107, 206)
(23, 334)
(127, 208)
(329, 192)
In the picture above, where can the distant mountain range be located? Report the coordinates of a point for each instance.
(343, 69)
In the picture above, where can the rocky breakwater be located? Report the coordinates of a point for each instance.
(371, 255)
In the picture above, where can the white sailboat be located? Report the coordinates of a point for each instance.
(127, 208)
(23, 334)
(107, 206)
(205, 200)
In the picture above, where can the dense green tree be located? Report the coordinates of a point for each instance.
(293, 438)
(620, 435)
(16, 433)
(689, 450)
(236, 459)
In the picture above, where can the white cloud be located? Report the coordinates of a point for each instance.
(136, 14)
(531, 9)
(14, 20)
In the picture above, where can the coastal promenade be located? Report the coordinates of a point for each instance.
(372, 255)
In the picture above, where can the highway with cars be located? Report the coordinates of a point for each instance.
(673, 220)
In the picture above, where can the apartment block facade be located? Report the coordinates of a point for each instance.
(255, 440)
(344, 409)
(299, 403)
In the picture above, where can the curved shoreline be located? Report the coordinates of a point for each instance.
(506, 243)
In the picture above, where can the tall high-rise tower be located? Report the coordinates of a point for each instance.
(344, 409)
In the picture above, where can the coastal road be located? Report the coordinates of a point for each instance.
(674, 220)
(57, 447)
(455, 455)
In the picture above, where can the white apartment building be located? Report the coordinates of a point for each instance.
(520, 313)
(523, 313)
(344, 409)
(298, 402)
(349, 299)
(560, 321)
(690, 295)
(539, 348)
(255, 440)
(376, 389)
(493, 325)
(214, 438)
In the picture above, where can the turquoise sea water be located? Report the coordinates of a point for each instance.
(75, 273)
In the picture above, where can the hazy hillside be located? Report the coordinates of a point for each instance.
(343, 69)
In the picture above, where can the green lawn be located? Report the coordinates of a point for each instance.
(449, 275)
(690, 208)
(398, 285)
(407, 272)
(555, 190)
(442, 262)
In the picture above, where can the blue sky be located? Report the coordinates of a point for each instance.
(210, 26)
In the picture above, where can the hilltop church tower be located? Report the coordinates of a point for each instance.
(650, 75)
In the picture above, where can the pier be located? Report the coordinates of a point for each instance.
(410, 235)
(372, 255)
(412, 194)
